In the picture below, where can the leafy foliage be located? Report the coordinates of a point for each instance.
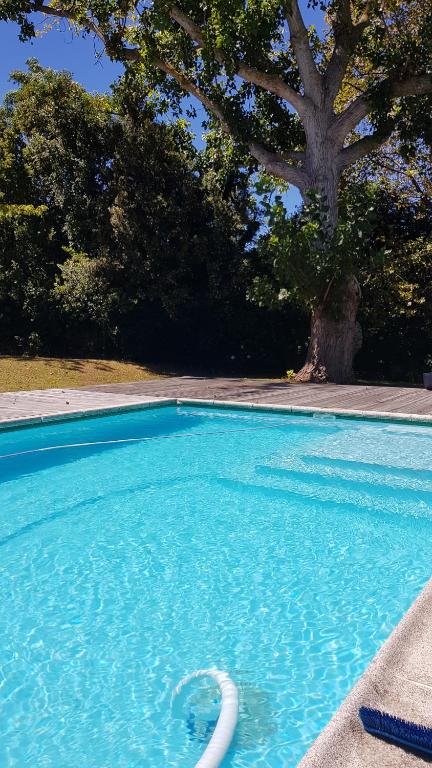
(304, 107)
(397, 304)
(115, 236)
(306, 260)
(199, 48)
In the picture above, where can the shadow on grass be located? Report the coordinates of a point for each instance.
(75, 365)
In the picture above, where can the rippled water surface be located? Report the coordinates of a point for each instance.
(282, 549)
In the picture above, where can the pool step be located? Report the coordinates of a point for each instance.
(335, 490)
(355, 466)
(370, 508)
(337, 482)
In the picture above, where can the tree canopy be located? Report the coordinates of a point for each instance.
(117, 236)
(306, 107)
(263, 76)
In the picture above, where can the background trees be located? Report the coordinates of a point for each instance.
(118, 238)
(397, 313)
(52, 169)
(305, 108)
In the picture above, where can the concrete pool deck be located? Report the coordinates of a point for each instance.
(399, 679)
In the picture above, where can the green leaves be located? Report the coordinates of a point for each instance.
(305, 258)
(14, 211)
(108, 216)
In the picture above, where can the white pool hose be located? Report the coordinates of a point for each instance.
(223, 733)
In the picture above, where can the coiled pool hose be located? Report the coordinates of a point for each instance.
(223, 733)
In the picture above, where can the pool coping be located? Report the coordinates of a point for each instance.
(398, 681)
(402, 657)
(105, 410)
(84, 413)
(385, 416)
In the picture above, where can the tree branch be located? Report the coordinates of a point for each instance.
(296, 156)
(266, 80)
(411, 179)
(346, 38)
(277, 166)
(358, 109)
(134, 54)
(311, 77)
(187, 85)
(417, 85)
(354, 152)
(49, 10)
(274, 163)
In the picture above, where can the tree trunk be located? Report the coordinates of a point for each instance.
(335, 334)
(334, 342)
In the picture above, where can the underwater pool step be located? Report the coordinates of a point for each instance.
(375, 513)
(327, 499)
(357, 465)
(366, 508)
(337, 482)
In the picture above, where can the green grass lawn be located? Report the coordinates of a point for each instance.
(17, 373)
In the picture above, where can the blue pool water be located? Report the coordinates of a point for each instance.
(282, 549)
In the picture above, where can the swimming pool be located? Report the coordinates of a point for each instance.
(280, 548)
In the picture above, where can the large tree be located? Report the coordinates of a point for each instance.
(306, 107)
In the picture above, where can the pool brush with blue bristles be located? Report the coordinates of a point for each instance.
(398, 731)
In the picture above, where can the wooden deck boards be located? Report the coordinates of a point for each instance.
(391, 400)
(49, 402)
(410, 401)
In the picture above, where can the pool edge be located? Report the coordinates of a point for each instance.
(105, 410)
(84, 413)
(398, 680)
(384, 416)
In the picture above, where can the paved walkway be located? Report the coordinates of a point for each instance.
(390, 400)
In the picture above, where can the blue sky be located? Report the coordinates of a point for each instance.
(60, 50)
(57, 49)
